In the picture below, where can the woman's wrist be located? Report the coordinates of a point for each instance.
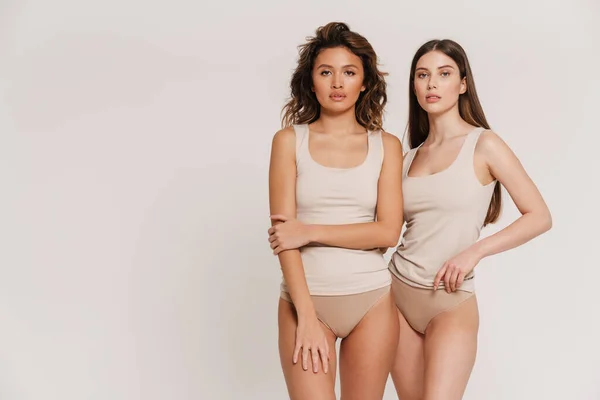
(313, 233)
(306, 312)
(478, 249)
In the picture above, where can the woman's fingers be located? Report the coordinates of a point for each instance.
(305, 351)
(439, 276)
(454, 278)
(460, 280)
(447, 276)
(315, 359)
(324, 359)
(296, 352)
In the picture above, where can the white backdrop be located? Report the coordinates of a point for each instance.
(135, 139)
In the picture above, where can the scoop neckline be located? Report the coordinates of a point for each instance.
(460, 151)
(363, 162)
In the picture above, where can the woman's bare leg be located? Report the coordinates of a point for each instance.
(366, 355)
(450, 351)
(408, 371)
(301, 384)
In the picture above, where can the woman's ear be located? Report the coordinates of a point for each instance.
(463, 85)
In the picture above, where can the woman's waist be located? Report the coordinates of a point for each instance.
(336, 258)
(334, 216)
(322, 249)
(435, 230)
(436, 243)
(422, 266)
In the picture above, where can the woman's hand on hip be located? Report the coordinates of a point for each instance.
(454, 271)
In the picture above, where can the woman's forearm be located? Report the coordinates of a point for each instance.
(359, 236)
(525, 228)
(293, 273)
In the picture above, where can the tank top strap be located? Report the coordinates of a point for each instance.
(301, 142)
(468, 149)
(375, 149)
(409, 156)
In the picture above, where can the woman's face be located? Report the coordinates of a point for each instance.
(437, 82)
(337, 76)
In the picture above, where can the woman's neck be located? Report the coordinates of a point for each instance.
(343, 123)
(445, 126)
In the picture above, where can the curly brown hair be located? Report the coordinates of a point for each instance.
(303, 107)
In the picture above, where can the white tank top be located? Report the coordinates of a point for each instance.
(334, 196)
(444, 214)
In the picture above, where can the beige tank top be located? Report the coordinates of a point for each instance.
(444, 214)
(334, 196)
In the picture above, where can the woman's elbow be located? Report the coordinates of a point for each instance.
(547, 221)
(392, 238)
(543, 221)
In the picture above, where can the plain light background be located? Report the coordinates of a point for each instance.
(134, 148)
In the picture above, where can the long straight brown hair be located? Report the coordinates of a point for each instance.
(468, 105)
